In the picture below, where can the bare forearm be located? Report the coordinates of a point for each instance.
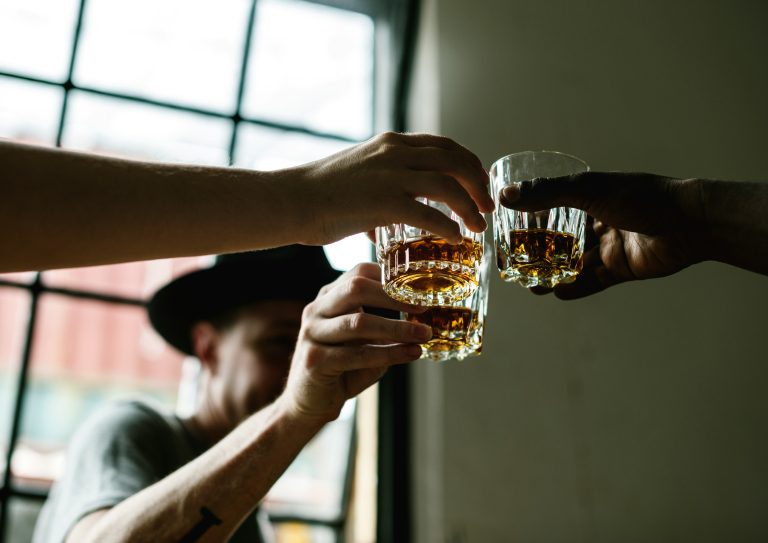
(228, 481)
(735, 223)
(64, 209)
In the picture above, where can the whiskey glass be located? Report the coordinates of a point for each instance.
(420, 268)
(457, 328)
(541, 248)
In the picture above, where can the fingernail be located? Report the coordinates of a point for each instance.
(511, 194)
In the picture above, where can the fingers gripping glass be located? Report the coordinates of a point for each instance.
(541, 248)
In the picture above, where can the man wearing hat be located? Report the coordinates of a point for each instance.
(135, 473)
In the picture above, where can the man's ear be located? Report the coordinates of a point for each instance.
(205, 339)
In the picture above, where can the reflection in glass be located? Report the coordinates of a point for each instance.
(36, 37)
(113, 126)
(29, 112)
(184, 51)
(311, 66)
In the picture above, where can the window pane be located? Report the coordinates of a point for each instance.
(314, 483)
(185, 51)
(262, 148)
(84, 354)
(36, 36)
(108, 125)
(19, 277)
(296, 532)
(23, 514)
(137, 280)
(348, 252)
(14, 315)
(311, 66)
(29, 111)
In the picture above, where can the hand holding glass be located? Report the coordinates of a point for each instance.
(541, 248)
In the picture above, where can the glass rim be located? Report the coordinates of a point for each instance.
(541, 152)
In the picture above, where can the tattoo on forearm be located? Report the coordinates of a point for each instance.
(197, 531)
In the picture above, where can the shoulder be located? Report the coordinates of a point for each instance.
(125, 431)
(129, 416)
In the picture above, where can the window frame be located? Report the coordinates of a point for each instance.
(388, 116)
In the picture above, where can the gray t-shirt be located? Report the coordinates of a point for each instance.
(116, 453)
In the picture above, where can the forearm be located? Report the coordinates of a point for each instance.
(734, 218)
(228, 481)
(65, 209)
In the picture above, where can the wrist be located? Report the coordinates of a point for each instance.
(309, 204)
(692, 202)
(273, 202)
(292, 414)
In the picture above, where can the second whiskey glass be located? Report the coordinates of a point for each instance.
(457, 328)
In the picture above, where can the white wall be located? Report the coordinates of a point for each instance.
(640, 414)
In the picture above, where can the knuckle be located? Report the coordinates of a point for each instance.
(314, 355)
(356, 286)
(355, 322)
(388, 150)
(358, 270)
(400, 330)
(308, 312)
(389, 137)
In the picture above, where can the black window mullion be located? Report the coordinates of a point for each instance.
(68, 86)
(237, 118)
(181, 107)
(21, 389)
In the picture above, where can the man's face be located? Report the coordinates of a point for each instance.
(254, 356)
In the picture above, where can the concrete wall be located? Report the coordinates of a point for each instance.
(639, 414)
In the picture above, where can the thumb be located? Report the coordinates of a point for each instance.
(575, 190)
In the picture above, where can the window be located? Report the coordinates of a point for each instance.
(254, 83)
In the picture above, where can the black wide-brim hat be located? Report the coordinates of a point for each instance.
(295, 272)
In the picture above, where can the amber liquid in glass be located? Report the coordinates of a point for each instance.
(450, 326)
(540, 257)
(430, 271)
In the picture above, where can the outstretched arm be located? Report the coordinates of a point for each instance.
(650, 226)
(63, 209)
